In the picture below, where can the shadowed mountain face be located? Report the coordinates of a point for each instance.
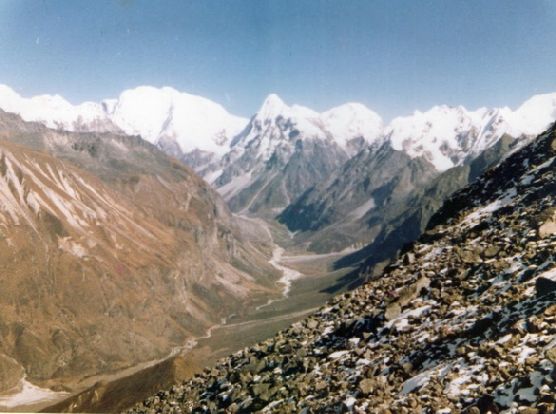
(111, 253)
(351, 206)
(405, 219)
(292, 168)
(462, 322)
(381, 200)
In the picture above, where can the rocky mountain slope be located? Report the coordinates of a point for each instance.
(380, 200)
(111, 253)
(462, 322)
(357, 200)
(403, 220)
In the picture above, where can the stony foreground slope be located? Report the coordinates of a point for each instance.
(464, 321)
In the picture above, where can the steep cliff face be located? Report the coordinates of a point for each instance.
(462, 322)
(111, 253)
(404, 219)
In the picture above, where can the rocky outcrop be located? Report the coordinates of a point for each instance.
(464, 321)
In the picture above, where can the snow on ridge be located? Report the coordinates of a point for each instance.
(52, 110)
(353, 120)
(192, 121)
(536, 113)
(341, 124)
(444, 135)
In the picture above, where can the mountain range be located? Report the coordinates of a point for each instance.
(265, 163)
(182, 123)
(177, 121)
(337, 179)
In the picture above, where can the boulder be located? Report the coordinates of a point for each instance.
(551, 355)
(366, 386)
(545, 286)
(547, 229)
(392, 311)
(491, 251)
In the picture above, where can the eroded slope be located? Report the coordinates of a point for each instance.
(111, 253)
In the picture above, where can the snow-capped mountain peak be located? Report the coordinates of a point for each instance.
(447, 136)
(159, 115)
(55, 112)
(536, 113)
(353, 120)
(272, 105)
(277, 124)
(191, 121)
(143, 110)
(182, 123)
(425, 133)
(286, 149)
(340, 124)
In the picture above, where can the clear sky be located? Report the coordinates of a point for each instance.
(394, 56)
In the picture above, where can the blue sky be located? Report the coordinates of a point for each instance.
(394, 56)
